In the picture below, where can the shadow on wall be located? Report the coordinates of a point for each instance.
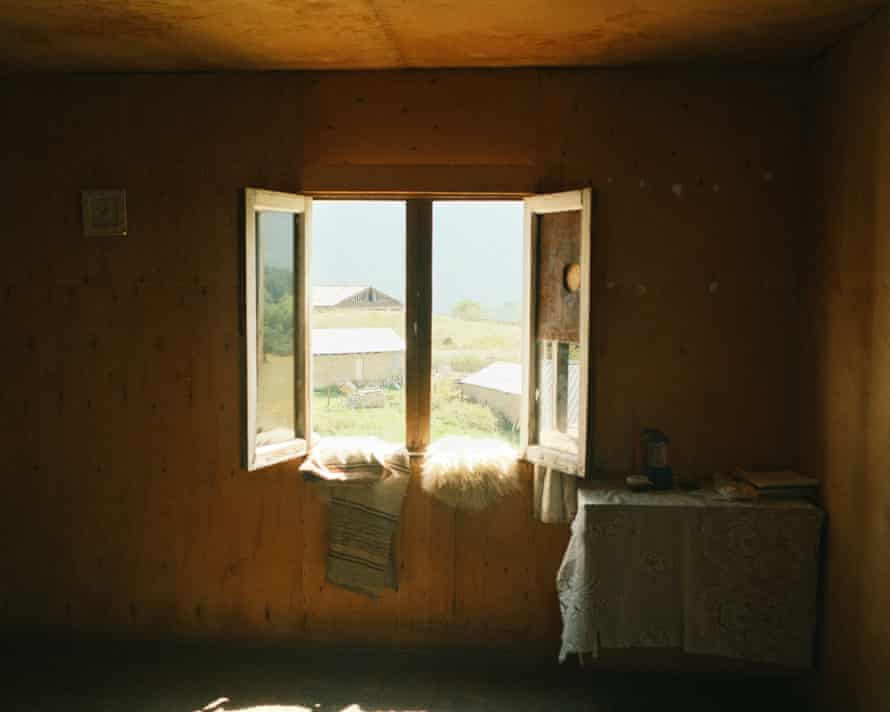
(845, 360)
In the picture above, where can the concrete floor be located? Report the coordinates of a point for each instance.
(154, 677)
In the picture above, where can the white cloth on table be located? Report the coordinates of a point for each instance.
(689, 570)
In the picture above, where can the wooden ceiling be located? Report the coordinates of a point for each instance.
(178, 35)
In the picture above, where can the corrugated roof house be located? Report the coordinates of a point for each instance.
(326, 342)
(351, 296)
(498, 376)
(360, 356)
(498, 386)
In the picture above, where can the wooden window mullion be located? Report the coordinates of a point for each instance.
(418, 321)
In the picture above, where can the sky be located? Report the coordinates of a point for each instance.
(477, 248)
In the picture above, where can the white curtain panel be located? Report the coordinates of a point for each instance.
(555, 496)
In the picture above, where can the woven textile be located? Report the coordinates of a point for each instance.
(365, 481)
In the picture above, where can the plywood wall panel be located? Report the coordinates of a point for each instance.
(121, 422)
(845, 362)
(558, 316)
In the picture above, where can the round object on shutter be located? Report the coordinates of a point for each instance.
(572, 277)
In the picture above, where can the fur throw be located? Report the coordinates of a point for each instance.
(470, 473)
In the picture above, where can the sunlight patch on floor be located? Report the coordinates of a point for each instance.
(219, 705)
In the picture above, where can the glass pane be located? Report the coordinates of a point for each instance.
(358, 318)
(275, 323)
(558, 395)
(477, 300)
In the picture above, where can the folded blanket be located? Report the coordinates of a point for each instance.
(365, 480)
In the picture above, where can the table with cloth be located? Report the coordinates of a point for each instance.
(692, 571)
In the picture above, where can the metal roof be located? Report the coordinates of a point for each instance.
(332, 295)
(327, 342)
(329, 295)
(498, 376)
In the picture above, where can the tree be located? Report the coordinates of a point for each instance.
(278, 312)
(467, 310)
(278, 283)
(278, 327)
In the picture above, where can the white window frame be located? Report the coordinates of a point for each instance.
(300, 206)
(418, 325)
(531, 450)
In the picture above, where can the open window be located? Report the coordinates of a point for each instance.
(556, 331)
(397, 377)
(477, 324)
(276, 335)
(358, 318)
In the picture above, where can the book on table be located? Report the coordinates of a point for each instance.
(783, 484)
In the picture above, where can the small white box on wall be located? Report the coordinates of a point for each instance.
(104, 213)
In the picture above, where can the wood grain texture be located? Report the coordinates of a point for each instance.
(418, 321)
(126, 510)
(90, 35)
(559, 245)
(845, 359)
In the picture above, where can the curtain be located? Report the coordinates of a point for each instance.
(555, 495)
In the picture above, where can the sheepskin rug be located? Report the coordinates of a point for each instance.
(470, 473)
(352, 450)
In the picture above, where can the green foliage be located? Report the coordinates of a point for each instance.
(278, 312)
(467, 310)
(278, 283)
(476, 336)
(332, 416)
(469, 362)
(451, 414)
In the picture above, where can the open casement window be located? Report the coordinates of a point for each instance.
(556, 400)
(277, 371)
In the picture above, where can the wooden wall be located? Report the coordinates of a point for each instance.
(124, 509)
(846, 361)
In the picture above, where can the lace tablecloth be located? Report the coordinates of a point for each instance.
(688, 570)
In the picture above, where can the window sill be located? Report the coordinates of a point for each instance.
(267, 455)
(557, 459)
(535, 455)
(560, 460)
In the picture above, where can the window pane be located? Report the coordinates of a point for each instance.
(275, 325)
(358, 318)
(558, 391)
(477, 300)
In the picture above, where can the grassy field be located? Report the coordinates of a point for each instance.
(332, 416)
(459, 348)
(451, 336)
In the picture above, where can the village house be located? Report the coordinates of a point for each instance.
(360, 356)
(354, 296)
(498, 385)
